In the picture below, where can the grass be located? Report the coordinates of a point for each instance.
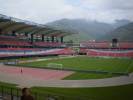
(6, 88)
(88, 63)
(7, 84)
(98, 93)
(101, 93)
(80, 75)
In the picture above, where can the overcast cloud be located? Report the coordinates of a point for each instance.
(43, 11)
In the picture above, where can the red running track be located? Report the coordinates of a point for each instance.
(43, 74)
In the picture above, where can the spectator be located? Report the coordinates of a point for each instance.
(26, 94)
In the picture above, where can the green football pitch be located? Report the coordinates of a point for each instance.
(123, 65)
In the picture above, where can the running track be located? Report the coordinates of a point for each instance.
(42, 74)
(37, 77)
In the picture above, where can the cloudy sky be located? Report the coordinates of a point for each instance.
(43, 11)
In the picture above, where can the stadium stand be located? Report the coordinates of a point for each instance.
(104, 48)
(19, 38)
(33, 52)
(97, 53)
(106, 45)
(95, 44)
(48, 44)
(126, 45)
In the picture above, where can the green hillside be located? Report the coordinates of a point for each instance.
(86, 29)
(123, 33)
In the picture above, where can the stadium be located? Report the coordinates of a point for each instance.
(37, 56)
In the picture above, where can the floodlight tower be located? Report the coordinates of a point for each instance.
(115, 43)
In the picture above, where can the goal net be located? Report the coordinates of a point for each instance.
(54, 65)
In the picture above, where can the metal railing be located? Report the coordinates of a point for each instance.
(8, 93)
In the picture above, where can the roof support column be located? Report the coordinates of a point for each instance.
(47, 39)
(43, 38)
(0, 31)
(56, 39)
(13, 33)
(62, 39)
(32, 38)
(26, 34)
(52, 38)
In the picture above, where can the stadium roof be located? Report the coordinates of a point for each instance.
(10, 24)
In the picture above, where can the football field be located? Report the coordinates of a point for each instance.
(110, 65)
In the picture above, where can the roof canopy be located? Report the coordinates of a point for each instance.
(10, 25)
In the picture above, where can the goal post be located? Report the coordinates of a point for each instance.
(54, 65)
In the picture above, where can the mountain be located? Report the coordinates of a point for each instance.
(123, 33)
(85, 29)
(122, 22)
(19, 20)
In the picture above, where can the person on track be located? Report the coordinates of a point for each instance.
(21, 71)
